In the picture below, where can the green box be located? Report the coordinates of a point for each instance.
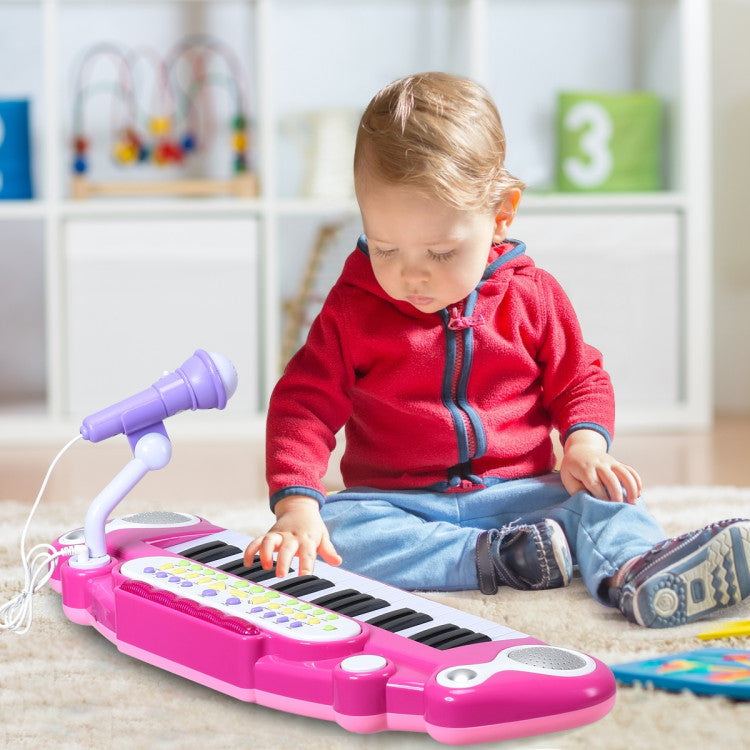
(608, 142)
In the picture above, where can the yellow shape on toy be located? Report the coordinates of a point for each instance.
(160, 125)
(678, 665)
(125, 152)
(239, 141)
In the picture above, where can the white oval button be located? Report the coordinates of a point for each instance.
(363, 663)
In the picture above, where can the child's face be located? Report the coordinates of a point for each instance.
(422, 251)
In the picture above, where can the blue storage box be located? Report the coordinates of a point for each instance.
(15, 161)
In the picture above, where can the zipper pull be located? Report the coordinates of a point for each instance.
(459, 322)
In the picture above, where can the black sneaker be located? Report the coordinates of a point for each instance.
(527, 556)
(688, 577)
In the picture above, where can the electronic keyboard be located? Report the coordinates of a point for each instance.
(176, 593)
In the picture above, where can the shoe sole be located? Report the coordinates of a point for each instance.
(715, 576)
(561, 551)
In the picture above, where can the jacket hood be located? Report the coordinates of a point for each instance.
(502, 262)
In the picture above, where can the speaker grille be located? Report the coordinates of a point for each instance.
(158, 518)
(547, 657)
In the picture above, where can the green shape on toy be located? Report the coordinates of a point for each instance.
(608, 142)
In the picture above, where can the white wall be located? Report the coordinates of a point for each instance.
(731, 168)
(22, 376)
(731, 205)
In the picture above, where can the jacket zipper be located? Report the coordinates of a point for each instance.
(460, 336)
(458, 331)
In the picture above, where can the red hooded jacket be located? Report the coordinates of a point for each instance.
(439, 399)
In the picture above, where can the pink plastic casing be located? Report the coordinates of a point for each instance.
(252, 664)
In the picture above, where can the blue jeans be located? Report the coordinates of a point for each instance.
(426, 540)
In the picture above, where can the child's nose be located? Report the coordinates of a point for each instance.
(414, 271)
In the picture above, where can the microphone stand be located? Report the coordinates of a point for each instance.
(152, 450)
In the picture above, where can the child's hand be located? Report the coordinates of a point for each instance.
(587, 466)
(299, 531)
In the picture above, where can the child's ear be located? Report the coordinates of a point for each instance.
(506, 212)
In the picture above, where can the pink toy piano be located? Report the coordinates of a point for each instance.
(172, 590)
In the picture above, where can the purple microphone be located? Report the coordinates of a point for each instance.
(205, 381)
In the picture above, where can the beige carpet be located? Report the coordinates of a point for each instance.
(65, 686)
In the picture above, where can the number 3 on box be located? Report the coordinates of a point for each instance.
(595, 125)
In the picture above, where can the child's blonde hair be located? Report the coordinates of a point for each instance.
(439, 133)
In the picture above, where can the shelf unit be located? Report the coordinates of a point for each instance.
(308, 56)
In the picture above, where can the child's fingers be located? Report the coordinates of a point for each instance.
(286, 552)
(630, 481)
(269, 544)
(571, 484)
(306, 561)
(612, 486)
(328, 552)
(251, 550)
(593, 481)
(637, 479)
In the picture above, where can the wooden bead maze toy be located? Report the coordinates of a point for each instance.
(179, 124)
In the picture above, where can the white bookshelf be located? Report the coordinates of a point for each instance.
(307, 56)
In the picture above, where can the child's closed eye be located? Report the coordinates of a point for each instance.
(384, 252)
(441, 257)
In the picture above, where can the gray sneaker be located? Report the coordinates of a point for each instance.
(685, 578)
(526, 556)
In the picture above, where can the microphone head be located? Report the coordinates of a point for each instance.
(227, 372)
(211, 378)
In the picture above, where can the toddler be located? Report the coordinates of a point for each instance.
(450, 358)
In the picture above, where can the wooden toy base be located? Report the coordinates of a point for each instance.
(242, 186)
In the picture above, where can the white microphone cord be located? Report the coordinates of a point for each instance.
(38, 566)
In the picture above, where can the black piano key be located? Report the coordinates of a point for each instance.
(465, 640)
(254, 573)
(351, 602)
(448, 636)
(426, 635)
(258, 575)
(445, 640)
(205, 547)
(210, 551)
(302, 585)
(356, 609)
(399, 619)
(233, 566)
(330, 601)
